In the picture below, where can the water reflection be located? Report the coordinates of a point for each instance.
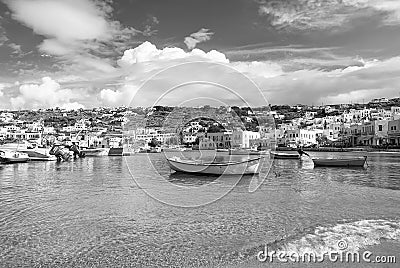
(183, 179)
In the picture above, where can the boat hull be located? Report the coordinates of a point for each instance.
(39, 155)
(6, 160)
(239, 168)
(277, 155)
(96, 152)
(356, 162)
(9, 157)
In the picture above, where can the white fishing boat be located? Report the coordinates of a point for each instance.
(340, 162)
(34, 153)
(283, 155)
(95, 151)
(10, 157)
(249, 166)
(39, 154)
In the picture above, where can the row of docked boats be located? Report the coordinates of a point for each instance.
(24, 152)
(20, 153)
(323, 162)
(251, 165)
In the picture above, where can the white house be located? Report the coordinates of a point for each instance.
(244, 138)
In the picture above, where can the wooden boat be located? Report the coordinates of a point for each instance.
(249, 166)
(243, 152)
(340, 162)
(10, 157)
(281, 155)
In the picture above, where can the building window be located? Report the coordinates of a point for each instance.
(380, 127)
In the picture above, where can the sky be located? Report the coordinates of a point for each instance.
(88, 53)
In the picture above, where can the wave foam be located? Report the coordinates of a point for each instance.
(357, 235)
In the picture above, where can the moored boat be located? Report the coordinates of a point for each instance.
(340, 162)
(10, 157)
(61, 153)
(39, 154)
(95, 151)
(249, 166)
(282, 155)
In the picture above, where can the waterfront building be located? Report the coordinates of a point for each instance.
(222, 140)
(394, 132)
(303, 137)
(207, 144)
(244, 138)
(148, 134)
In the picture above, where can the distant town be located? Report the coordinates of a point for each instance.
(375, 124)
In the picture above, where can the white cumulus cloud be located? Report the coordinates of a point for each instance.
(72, 106)
(77, 32)
(200, 36)
(118, 97)
(147, 52)
(64, 20)
(47, 94)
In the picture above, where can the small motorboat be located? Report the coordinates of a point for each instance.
(281, 155)
(10, 157)
(340, 162)
(39, 154)
(249, 166)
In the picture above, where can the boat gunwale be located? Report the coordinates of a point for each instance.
(341, 159)
(214, 164)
